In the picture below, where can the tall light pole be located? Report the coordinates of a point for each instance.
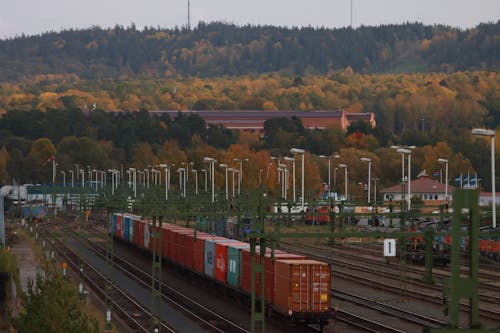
(329, 171)
(195, 180)
(232, 181)
(375, 190)
(491, 134)
(165, 166)
(403, 152)
(284, 182)
(227, 188)
(72, 178)
(344, 166)
(292, 159)
(240, 173)
(83, 177)
(443, 160)
(63, 173)
(211, 165)
(277, 159)
(369, 161)
(296, 151)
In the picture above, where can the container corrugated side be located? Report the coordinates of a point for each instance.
(301, 287)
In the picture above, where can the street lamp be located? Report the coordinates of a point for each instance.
(63, 173)
(404, 151)
(443, 160)
(491, 134)
(292, 159)
(133, 172)
(195, 180)
(329, 171)
(211, 166)
(240, 173)
(72, 178)
(296, 151)
(344, 166)
(227, 189)
(277, 167)
(284, 183)
(83, 177)
(369, 161)
(167, 168)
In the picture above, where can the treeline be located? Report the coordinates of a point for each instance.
(417, 108)
(216, 49)
(104, 140)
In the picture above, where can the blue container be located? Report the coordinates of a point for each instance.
(234, 264)
(113, 224)
(209, 257)
(125, 228)
(131, 230)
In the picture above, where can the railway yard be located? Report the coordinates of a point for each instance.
(368, 293)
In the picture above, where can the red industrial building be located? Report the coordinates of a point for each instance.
(254, 120)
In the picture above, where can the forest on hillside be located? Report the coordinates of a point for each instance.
(219, 49)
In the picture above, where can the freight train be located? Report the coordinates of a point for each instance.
(489, 247)
(295, 287)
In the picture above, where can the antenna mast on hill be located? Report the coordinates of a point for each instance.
(351, 14)
(189, 15)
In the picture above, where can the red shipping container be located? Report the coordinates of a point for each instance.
(173, 241)
(220, 269)
(246, 270)
(139, 233)
(118, 226)
(302, 286)
(153, 232)
(135, 237)
(199, 250)
(269, 270)
(182, 240)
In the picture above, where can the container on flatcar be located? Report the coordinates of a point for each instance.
(118, 229)
(246, 269)
(172, 241)
(199, 250)
(210, 254)
(221, 259)
(302, 289)
(269, 270)
(234, 263)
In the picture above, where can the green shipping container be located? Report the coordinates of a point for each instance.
(234, 264)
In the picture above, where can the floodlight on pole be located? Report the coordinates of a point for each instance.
(296, 151)
(491, 134)
(227, 189)
(292, 159)
(344, 166)
(443, 160)
(404, 151)
(211, 162)
(369, 161)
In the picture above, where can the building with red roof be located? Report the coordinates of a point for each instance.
(431, 191)
(253, 120)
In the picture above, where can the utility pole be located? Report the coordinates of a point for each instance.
(189, 15)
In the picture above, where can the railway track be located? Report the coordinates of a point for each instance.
(132, 313)
(410, 316)
(208, 318)
(345, 269)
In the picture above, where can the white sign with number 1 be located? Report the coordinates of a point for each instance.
(389, 247)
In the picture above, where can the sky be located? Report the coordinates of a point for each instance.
(31, 17)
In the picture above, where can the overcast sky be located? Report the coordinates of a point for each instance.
(37, 16)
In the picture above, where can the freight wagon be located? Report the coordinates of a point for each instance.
(295, 287)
